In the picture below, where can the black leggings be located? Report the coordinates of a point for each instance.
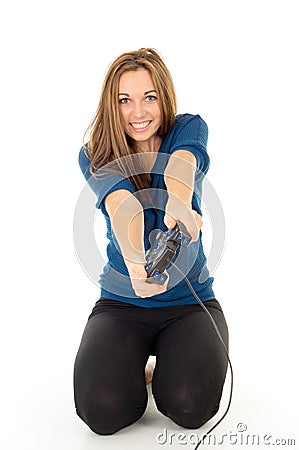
(109, 380)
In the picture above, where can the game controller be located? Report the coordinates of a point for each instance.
(162, 252)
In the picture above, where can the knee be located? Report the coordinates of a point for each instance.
(106, 414)
(99, 416)
(96, 412)
(188, 411)
(193, 417)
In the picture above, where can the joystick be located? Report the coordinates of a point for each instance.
(163, 251)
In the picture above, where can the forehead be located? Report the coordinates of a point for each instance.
(134, 81)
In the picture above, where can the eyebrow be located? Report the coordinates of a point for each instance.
(147, 92)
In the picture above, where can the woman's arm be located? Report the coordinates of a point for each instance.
(179, 180)
(127, 221)
(126, 215)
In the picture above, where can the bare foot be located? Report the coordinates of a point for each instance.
(149, 371)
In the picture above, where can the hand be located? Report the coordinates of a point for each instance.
(176, 210)
(142, 288)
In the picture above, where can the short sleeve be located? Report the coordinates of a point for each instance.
(192, 135)
(105, 182)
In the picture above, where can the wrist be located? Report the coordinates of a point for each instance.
(176, 203)
(136, 270)
(176, 188)
(133, 263)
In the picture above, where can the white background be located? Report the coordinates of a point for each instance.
(236, 64)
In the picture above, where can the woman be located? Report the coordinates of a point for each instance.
(146, 166)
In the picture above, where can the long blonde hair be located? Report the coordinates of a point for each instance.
(107, 139)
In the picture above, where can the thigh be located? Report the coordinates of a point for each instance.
(112, 349)
(191, 362)
(109, 378)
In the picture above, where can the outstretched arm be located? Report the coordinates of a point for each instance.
(126, 215)
(179, 180)
(127, 221)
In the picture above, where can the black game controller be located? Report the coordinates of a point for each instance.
(163, 251)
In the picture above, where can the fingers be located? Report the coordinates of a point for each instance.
(136, 270)
(192, 221)
(141, 287)
(177, 210)
(190, 218)
(169, 221)
(138, 273)
(144, 289)
(198, 224)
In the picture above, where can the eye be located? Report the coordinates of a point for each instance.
(124, 101)
(151, 98)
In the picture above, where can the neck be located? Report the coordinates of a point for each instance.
(151, 146)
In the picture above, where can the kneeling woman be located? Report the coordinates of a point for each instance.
(146, 166)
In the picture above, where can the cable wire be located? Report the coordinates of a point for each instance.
(225, 349)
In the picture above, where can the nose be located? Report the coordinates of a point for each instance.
(139, 110)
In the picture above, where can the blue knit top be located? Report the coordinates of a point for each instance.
(190, 133)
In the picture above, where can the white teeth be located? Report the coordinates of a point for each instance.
(139, 126)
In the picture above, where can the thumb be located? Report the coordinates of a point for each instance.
(138, 273)
(169, 221)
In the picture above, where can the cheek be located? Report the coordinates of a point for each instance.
(122, 115)
(158, 113)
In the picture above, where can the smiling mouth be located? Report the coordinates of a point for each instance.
(140, 126)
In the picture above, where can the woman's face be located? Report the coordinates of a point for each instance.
(139, 108)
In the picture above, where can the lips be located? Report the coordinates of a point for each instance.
(140, 126)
